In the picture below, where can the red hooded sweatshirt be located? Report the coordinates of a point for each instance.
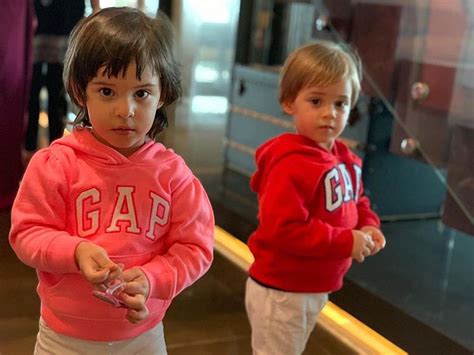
(310, 200)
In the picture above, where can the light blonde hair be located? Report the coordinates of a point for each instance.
(319, 64)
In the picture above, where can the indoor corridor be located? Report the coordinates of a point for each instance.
(415, 297)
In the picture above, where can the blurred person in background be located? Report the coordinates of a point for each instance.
(17, 22)
(56, 19)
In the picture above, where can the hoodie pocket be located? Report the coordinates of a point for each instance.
(72, 294)
(131, 260)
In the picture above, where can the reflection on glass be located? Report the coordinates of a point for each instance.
(211, 11)
(419, 75)
(209, 104)
(148, 6)
(205, 73)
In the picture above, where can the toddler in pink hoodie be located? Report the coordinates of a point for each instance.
(108, 205)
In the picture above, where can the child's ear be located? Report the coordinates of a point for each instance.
(160, 105)
(287, 107)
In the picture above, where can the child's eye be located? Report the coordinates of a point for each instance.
(142, 94)
(342, 104)
(316, 101)
(106, 92)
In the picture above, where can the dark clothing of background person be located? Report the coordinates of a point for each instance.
(56, 19)
(17, 21)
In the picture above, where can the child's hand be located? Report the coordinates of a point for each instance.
(362, 245)
(377, 237)
(135, 294)
(95, 265)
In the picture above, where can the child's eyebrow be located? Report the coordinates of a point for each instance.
(145, 85)
(322, 93)
(106, 83)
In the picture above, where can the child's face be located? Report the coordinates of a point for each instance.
(122, 109)
(321, 113)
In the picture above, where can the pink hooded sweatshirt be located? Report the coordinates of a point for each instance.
(145, 210)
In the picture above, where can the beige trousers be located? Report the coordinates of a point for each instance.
(49, 342)
(281, 321)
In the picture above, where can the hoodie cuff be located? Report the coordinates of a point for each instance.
(60, 254)
(368, 221)
(160, 278)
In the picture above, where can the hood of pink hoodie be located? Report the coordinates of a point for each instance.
(83, 142)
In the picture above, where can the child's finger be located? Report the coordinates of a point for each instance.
(115, 272)
(360, 258)
(133, 301)
(136, 282)
(381, 242)
(135, 316)
(135, 287)
(370, 243)
(132, 274)
(103, 261)
(95, 276)
(375, 250)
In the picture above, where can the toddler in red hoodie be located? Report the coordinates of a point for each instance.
(107, 206)
(313, 215)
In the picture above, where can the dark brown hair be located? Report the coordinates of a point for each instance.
(113, 38)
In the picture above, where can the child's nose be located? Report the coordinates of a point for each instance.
(330, 111)
(125, 108)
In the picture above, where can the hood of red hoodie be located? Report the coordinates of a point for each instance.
(83, 142)
(288, 144)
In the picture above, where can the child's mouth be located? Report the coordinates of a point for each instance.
(123, 131)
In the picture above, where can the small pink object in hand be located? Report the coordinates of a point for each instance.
(114, 288)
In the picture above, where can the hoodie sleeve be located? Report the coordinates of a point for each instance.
(38, 234)
(286, 221)
(189, 241)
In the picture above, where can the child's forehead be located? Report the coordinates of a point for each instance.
(342, 85)
(324, 80)
(130, 70)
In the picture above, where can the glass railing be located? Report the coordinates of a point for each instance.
(418, 59)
